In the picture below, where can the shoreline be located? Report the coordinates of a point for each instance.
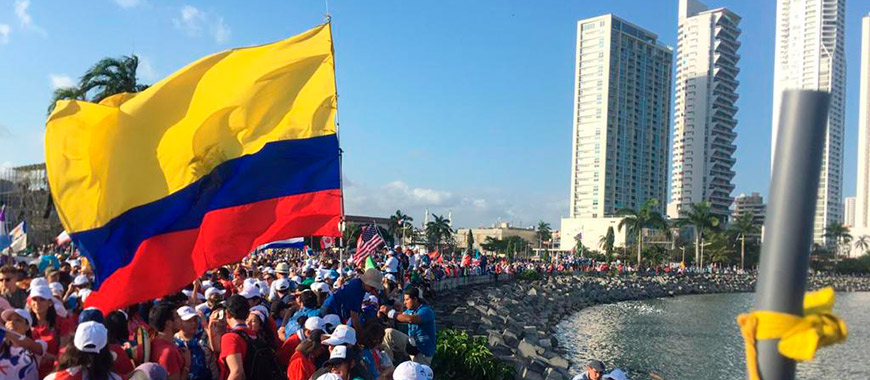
(519, 318)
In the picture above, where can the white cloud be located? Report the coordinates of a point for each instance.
(61, 81)
(146, 70)
(222, 31)
(128, 3)
(24, 17)
(418, 195)
(4, 34)
(195, 22)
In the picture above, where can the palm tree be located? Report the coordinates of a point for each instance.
(606, 243)
(701, 220)
(438, 230)
(469, 242)
(107, 77)
(840, 234)
(637, 220)
(110, 76)
(399, 224)
(543, 233)
(65, 93)
(744, 225)
(862, 243)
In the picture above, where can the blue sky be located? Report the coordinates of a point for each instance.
(449, 105)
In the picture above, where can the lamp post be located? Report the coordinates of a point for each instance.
(785, 252)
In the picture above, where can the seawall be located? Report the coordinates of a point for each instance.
(518, 318)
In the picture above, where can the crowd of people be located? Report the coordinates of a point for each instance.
(278, 314)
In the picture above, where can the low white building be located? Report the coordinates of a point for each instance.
(590, 231)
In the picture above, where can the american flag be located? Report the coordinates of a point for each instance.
(369, 240)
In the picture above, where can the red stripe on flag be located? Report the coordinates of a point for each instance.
(225, 236)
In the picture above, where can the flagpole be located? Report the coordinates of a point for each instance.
(342, 215)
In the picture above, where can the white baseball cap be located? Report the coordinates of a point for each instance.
(261, 309)
(343, 334)
(412, 371)
(314, 323)
(250, 281)
(43, 292)
(81, 280)
(186, 313)
(390, 277)
(332, 320)
(39, 281)
(329, 376)
(21, 313)
(56, 288)
(321, 287)
(282, 284)
(210, 291)
(91, 337)
(250, 292)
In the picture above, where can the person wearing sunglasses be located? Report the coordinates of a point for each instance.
(9, 288)
(594, 371)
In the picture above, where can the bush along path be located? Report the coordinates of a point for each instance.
(517, 319)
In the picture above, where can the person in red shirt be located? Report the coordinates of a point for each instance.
(302, 365)
(288, 348)
(88, 358)
(163, 319)
(116, 324)
(47, 327)
(233, 347)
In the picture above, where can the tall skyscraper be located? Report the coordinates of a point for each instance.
(704, 111)
(849, 212)
(862, 202)
(621, 117)
(810, 55)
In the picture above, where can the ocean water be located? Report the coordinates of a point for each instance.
(696, 337)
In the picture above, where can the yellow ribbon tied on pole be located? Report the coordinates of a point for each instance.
(799, 337)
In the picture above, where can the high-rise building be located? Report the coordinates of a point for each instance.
(621, 118)
(810, 54)
(862, 201)
(704, 110)
(753, 204)
(849, 212)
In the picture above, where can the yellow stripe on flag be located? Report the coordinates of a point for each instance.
(133, 149)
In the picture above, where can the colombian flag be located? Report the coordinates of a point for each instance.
(235, 150)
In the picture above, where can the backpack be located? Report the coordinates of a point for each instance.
(260, 360)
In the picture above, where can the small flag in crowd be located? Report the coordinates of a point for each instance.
(62, 239)
(297, 243)
(368, 242)
(327, 242)
(19, 237)
(4, 237)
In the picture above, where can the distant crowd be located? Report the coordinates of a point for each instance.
(278, 314)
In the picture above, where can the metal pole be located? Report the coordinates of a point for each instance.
(782, 274)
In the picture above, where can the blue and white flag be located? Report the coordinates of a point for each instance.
(19, 237)
(298, 243)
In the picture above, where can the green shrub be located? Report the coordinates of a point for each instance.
(860, 265)
(528, 275)
(459, 356)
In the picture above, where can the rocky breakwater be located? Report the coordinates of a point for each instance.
(518, 318)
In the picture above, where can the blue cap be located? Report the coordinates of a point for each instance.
(333, 274)
(91, 314)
